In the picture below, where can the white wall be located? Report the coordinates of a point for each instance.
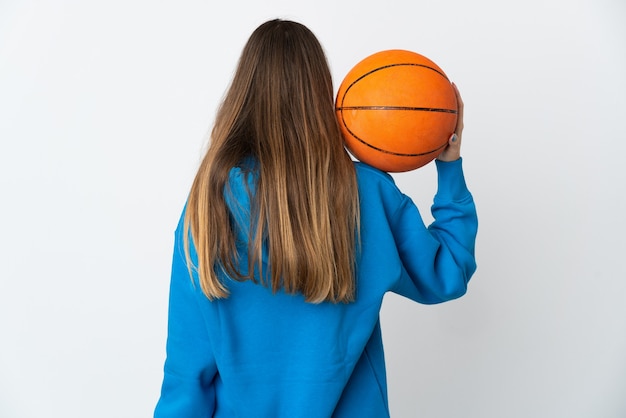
(104, 107)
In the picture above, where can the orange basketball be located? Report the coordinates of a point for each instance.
(397, 109)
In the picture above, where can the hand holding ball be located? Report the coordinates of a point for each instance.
(396, 110)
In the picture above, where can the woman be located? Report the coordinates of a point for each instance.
(286, 248)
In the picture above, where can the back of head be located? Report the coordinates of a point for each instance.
(281, 94)
(279, 110)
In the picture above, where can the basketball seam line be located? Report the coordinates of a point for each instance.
(341, 108)
(412, 64)
(419, 109)
(399, 154)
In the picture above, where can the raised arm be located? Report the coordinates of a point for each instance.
(439, 260)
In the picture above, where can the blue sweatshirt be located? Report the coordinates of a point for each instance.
(258, 354)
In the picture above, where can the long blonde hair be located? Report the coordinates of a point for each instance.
(279, 110)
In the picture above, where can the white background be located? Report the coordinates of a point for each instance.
(104, 110)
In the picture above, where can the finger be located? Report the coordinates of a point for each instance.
(460, 106)
(459, 100)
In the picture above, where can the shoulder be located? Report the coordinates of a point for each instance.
(377, 187)
(366, 174)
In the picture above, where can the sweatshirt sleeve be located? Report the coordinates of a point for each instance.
(438, 260)
(187, 390)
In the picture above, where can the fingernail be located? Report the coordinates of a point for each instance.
(454, 138)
